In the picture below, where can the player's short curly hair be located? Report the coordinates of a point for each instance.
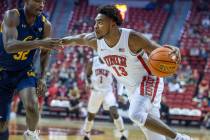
(111, 12)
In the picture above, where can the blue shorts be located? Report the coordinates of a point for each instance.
(11, 81)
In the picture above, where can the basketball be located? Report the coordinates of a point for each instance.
(161, 63)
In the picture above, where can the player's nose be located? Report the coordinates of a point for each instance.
(95, 27)
(41, 5)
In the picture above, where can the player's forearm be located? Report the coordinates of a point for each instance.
(73, 40)
(44, 60)
(158, 126)
(17, 46)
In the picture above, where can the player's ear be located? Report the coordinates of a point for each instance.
(113, 23)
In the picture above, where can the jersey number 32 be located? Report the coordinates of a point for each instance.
(23, 55)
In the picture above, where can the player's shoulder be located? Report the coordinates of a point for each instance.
(47, 23)
(136, 41)
(12, 13)
(43, 18)
(11, 17)
(135, 36)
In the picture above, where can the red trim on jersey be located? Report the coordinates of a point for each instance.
(142, 85)
(144, 64)
(155, 90)
(149, 84)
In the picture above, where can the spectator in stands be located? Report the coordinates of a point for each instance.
(185, 75)
(202, 96)
(174, 86)
(72, 80)
(53, 90)
(205, 39)
(193, 31)
(195, 76)
(203, 88)
(62, 93)
(147, 26)
(206, 22)
(64, 74)
(203, 52)
(194, 51)
(88, 20)
(77, 25)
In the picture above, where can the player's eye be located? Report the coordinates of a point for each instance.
(100, 22)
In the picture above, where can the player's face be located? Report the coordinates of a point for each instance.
(102, 26)
(35, 6)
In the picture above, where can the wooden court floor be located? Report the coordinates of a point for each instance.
(65, 129)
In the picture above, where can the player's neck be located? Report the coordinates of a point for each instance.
(113, 37)
(30, 18)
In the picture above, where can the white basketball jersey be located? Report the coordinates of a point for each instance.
(101, 78)
(128, 68)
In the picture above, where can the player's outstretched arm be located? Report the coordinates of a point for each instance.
(10, 34)
(86, 39)
(137, 42)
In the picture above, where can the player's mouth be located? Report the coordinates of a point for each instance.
(39, 11)
(97, 33)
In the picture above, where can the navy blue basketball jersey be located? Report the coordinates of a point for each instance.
(21, 60)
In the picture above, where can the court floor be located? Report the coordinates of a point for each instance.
(65, 129)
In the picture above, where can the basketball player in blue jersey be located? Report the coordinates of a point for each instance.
(22, 32)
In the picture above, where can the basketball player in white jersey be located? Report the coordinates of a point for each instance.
(100, 81)
(125, 53)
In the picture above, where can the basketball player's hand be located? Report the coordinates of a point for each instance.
(41, 88)
(50, 43)
(65, 41)
(175, 54)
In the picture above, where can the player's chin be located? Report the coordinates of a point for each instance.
(98, 36)
(39, 12)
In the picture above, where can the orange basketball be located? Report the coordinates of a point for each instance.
(161, 63)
